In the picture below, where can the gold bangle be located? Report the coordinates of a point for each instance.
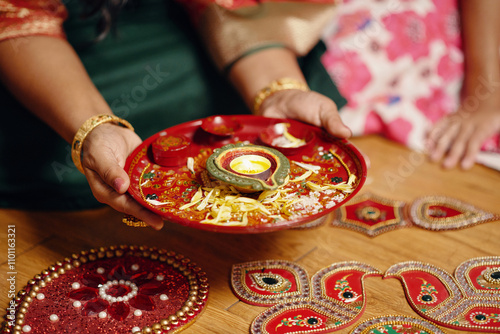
(87, 127)
(276, 86)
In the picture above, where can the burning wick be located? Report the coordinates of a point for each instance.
(250, 164)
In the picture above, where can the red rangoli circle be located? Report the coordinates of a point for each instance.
(124, 289)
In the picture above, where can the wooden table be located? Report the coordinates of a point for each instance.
(395, 173)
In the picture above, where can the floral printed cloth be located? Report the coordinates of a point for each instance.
(399, 64)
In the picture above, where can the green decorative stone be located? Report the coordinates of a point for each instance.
(249, 168)
(426, 298)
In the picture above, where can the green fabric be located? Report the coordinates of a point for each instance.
(153, 72)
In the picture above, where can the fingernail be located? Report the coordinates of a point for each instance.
(467, 164)
(448, 164)
(117, 184)
(347, 133)
(158, 226)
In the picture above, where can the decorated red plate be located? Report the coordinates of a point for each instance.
(167, 189)
(111, 290)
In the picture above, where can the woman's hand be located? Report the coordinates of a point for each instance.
(256, 71)
(104, 153)
(457, 138)
(309, 107)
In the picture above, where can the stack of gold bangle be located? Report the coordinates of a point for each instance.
(276, 86)
(87, 127)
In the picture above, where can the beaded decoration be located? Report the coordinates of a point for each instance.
(265, 283)
(469, 301)
(371, 215)
(120, 289)
(444, 213)
(334, 299)
(396, 324)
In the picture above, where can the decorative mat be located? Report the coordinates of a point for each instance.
(445, 213)
(124, 289)
(371, 215)
(396, 324)
(334, 299)
(470, 301)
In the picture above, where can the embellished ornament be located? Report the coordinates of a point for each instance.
(132, 221)
(396, 324)
(249, 168)
(112, 290)
(371, 215)
(265, 283)
(468, 301)
(334, 300)
(444, 213)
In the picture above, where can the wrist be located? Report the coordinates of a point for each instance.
(276, 86)
(256, 71)
(86, 129)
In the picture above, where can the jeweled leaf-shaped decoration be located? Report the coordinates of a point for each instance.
(269, 282)
(445, 213)
(337, 299)
(299, 316)
(469, 301)
(341, 285)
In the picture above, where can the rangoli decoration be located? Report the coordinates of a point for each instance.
(396, 324)
(371, 215)
(445, 213)
(266, 283)
(125, 289)
(468, 301)
(334, 299)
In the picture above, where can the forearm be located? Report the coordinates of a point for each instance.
(481, 39)
(46, 75)
(254, 72)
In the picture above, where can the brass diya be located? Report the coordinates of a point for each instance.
(249, 168)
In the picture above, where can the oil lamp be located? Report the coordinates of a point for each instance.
(249, 168)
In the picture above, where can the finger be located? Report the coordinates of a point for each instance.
(126, 204)
(121, 202)
(435, 133)
(472, 149)
(110, 170)
(443, 142)
(316, 109)
(331, 121)
(457, 148)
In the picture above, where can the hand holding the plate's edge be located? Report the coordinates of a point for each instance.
(309, 107)
(105, 151)
(256, 71)
(106, 147)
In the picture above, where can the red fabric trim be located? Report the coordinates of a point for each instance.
(195, 8)
(21, 18)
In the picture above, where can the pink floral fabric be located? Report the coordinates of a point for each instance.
(399, 64)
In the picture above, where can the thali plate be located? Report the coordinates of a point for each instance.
(165, 189)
